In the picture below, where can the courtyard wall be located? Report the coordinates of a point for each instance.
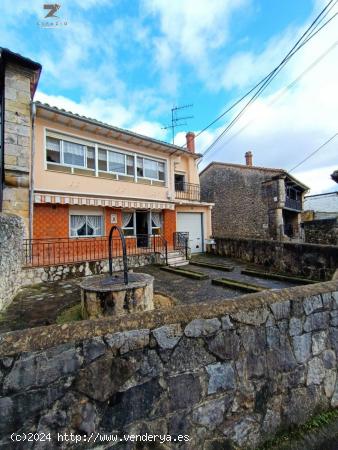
(317, 262)
(221, 373)
(11, 239)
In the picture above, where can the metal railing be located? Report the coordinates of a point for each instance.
(293, 204)
(181, 241)
(187, 191)
(55, 251)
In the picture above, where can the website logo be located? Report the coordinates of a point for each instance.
(53, 8)
(51, 20)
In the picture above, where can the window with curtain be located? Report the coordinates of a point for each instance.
(53, 150)
(150, 168)
(102, 159)
(156, 222)
(116, 162)
(73, 154)
(128, 225)
(86, 225)
(91, 158)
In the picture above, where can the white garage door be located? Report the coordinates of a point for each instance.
(193, 224)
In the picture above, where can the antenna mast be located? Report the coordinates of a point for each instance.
(176, 121)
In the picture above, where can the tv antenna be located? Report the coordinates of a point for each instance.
(176, 121)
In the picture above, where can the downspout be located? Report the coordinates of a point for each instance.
(31, 182)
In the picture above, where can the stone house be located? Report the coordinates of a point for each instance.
(18, 81)
(252, 201)
(72, 177)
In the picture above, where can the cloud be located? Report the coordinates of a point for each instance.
(285, 125)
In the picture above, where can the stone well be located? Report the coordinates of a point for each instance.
(104, 295)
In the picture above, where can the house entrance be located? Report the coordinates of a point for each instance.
(142, 228)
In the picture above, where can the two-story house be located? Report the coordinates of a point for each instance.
(252, 201)
(88, 175)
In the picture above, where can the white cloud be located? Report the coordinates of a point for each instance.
(284, 126)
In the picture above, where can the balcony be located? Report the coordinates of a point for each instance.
(187, 191)
(294, 204)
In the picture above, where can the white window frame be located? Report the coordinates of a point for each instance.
(64, 136)
(62, 163)
(130, 228)
(86, 213)
(158, 161)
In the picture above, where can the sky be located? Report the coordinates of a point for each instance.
(128, 63)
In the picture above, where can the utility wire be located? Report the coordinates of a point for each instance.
(314, 152)
(311, 32)
(284, 90)
(263, 87)
(267, 76)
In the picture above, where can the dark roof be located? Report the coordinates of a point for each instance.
(273, 171)
(173, 148)
(9, 56)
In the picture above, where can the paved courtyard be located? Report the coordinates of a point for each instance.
(42, 304)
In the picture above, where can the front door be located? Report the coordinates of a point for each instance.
(193, 224)
(142, 228)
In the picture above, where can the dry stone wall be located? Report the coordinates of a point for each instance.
(323, 231)
(11, 237)
(317, 262)
(228, 373)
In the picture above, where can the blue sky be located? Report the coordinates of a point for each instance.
(129, 63)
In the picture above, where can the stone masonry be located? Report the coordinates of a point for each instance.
(17, 141)
(323, 231)
(210, 376)
(11, 235)
(249, 201)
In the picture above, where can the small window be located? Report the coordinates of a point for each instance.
(161, 175)
(139, 167)
(86, 225)
(91, 158)
(156, 222)
(179, 182)
(128, 223)
(53, 150)
(73, 154)
(130, 165)
(102, 160)
(116, 162)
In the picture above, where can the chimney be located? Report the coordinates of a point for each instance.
(190, 137)
(248, 158)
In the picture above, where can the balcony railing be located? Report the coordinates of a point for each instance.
(55, 251)
(187, 191)
(293, 204)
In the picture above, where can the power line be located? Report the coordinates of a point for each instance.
(311, 32)
(284, 91)
(314, 152)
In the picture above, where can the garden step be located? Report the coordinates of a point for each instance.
(186, 273)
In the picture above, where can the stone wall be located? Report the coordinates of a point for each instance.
(219, 374)
(324, 231)
(11, 238)
(34, 275)
(246, 200)
(317, 262)
(17, 141)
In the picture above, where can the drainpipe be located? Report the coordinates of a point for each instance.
(31, 183)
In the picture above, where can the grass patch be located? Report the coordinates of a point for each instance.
(225, 282)
(282, 439)
(72, 314)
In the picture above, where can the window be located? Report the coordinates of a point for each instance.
(179, 182)
(128, 223)
(53, 150)
(130, 165)
(86, 225)
(60, 151)
(149, 168)
(73, 154)
(103, 159)
(156, 222)
(116, 162)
